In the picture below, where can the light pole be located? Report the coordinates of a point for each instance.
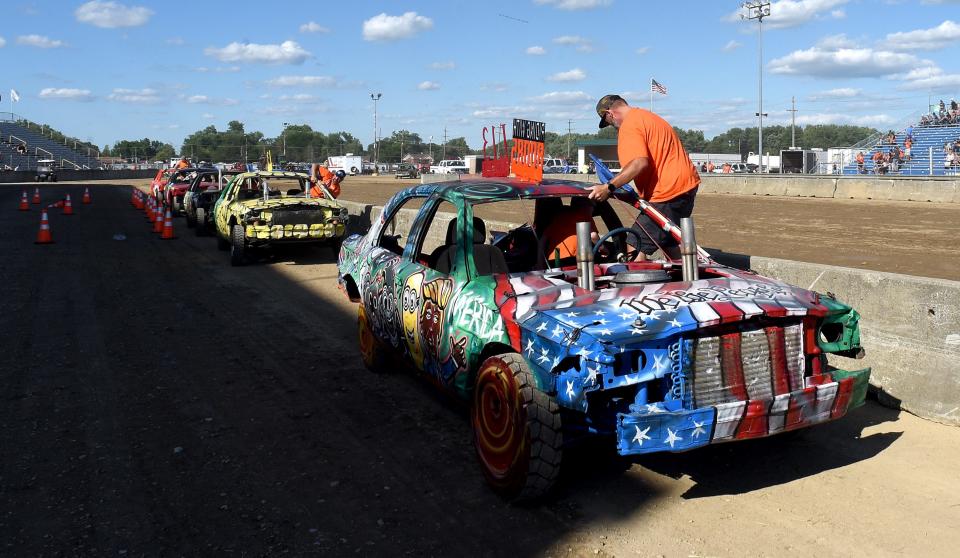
(284, 134)
(376, 146)
(431, 150)
(758, 10)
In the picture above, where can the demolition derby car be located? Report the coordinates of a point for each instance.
(654, 362)
(268, 208)
(199, 198)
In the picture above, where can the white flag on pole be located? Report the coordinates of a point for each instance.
(14, 96)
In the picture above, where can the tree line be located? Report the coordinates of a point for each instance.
(302, 143)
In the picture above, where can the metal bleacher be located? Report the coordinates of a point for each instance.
(927, 141)
(38, 147)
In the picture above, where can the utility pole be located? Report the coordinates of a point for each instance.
(376, 146)
(758, 10)
(444, 142)
(569, 131)
(284, 134)
(793, 122)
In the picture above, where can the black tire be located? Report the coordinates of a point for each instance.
(517, 431)
(238, 246)
(191, 221)
(353, 170)
(201, 228)
(372, 351)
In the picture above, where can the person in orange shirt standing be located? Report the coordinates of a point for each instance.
(183, 163)
(651, 156)
(322, 178)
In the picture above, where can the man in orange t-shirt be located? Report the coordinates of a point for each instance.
(651, 156)
(322, 176)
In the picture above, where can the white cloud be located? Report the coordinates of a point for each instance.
(175, 41)
(934, 38)
(575, 74)
(643, 50)
(304, 98)
(443, 66)
(536, 51)
(303, 81)
(287, 52)
(313, 27)
(112, 14)
(791, 13)
(495, 87)
(71, 94)
(931, 79)
(838, 93)
(208, 116)
(844, 62)
(385, 27)
(837, 41)
(205, 100)
(575, 4)
(2, 42)
(135, 96)
(428, 86)
(731, 46)
(217, 69)
(39, 41)
(499, 111)
(562, 97)
(844, 118)
(582, 44)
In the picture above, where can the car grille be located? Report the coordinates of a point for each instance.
(300, 216)
(752, 364)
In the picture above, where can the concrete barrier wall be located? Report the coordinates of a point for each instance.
(910, 325)
(920, 188)
(64, 175)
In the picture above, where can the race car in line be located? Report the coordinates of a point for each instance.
(648, 360)
(203, 192)
(260, 209)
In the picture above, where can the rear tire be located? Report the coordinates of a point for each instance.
(517, 430)
(238, 246)
(201, 229)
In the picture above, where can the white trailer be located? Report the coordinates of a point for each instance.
(349, 163)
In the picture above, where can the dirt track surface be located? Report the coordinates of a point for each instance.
(157, 401)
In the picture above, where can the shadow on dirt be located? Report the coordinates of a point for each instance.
(197, 408)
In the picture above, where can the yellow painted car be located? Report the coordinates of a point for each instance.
(267, 208)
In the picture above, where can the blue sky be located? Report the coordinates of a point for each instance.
(106, 71)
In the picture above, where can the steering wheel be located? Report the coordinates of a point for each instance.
(619, 230)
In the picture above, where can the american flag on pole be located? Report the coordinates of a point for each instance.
(657, 87)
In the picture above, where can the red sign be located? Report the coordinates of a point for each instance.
(499, 164)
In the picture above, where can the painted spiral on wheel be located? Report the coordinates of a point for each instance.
(499, 422)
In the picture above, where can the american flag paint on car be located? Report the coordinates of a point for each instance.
(651, 361)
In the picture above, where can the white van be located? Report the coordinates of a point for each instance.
(349, 163)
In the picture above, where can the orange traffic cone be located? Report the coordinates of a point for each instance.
(36, 196)
(24, 203)
(44, 236)
(86, 196)
(167, 227)
(133, 197)
(67, 206)
(158, 223)
(150, 216)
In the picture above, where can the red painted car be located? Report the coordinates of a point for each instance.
(176, 188)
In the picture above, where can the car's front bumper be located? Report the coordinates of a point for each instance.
(317, 232)
(659, 427)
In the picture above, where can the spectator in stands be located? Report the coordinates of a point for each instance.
(907, 148)
(703, 167)
(953, 104)
(950, 160)
(877, 161)
(894, 157)
(727, 168)
(910, 132)
(860, 162)
(710, 166)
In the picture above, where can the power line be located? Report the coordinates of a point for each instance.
(513, 18)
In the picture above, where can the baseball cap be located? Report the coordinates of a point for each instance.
(604, 104)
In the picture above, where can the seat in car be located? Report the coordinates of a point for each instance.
(487, 259)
